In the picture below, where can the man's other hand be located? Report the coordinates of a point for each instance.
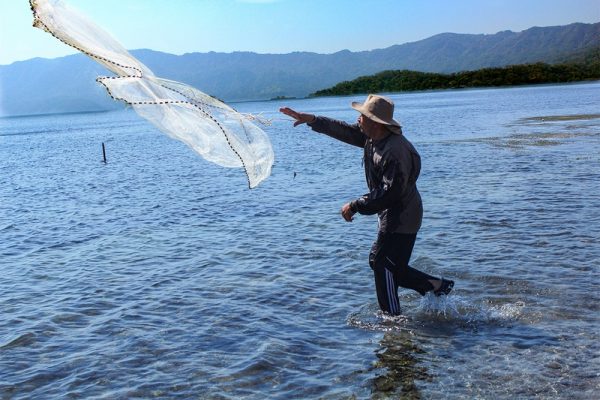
(347, 212)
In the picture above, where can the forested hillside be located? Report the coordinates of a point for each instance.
(524, 74)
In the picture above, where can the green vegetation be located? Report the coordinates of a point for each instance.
(524, 74)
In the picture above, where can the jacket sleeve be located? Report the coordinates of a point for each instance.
(339, 130)
(390, 193)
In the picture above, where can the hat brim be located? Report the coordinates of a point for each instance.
(360, 107)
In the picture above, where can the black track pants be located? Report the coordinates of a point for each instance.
(389, 261)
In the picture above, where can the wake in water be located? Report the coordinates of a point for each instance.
(447, 310)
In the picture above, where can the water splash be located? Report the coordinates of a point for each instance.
(452, 309)
(369, 317)
(460, 308)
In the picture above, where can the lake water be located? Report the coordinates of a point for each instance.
(160, 275)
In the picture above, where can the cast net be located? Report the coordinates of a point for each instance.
(210, 127)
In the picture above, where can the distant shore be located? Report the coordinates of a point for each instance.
(513, 75)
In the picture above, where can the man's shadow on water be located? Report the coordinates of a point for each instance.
(398, 358)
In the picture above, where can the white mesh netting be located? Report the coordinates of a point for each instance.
(210, 127)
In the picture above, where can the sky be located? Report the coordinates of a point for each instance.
(284, 26)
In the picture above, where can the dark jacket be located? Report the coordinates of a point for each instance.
(392, 167)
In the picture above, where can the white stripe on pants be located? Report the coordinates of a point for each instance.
(391, 292)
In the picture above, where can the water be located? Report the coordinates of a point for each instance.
(159, 275)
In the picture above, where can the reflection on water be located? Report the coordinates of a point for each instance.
(398, 357)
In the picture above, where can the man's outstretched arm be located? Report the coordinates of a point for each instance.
(339, 130)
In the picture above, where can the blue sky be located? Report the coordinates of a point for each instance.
(282, 26)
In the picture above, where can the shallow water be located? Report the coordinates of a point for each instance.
(159, 275)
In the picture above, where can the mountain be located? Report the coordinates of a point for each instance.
(67, 84)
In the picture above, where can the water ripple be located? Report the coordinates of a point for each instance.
(159, 275)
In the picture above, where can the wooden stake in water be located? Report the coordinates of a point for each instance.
(104, 153)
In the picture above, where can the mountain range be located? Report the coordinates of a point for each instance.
(67, 84)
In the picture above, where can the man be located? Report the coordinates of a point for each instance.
(392, 166)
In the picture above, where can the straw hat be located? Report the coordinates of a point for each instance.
(379, 109)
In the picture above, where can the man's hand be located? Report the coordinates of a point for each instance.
(301, 118)
(347, 212)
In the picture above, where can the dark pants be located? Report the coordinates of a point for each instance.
(389, 261)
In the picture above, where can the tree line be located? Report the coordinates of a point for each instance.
(522, 74)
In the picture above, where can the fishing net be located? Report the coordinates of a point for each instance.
(210, 127)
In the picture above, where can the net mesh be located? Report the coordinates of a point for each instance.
(210, 127)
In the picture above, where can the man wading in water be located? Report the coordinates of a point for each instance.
(392, 166)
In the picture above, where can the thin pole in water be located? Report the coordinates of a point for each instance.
(104, 153)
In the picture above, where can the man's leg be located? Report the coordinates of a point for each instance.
(407, 276)
(387, 290)
(412, 278)
(389, 260)
(383, 271)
